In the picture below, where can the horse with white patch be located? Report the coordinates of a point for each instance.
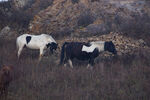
(84, 51)
(41, 42)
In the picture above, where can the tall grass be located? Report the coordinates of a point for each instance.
(116, 78)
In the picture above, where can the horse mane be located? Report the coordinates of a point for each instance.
(87, 44)
(46, 35)
(97, 42)
(49, 37)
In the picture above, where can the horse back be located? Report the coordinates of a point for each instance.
(74, 50)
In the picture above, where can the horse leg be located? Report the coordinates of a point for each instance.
(91, 63)
(65, 65)
(70, 63)
(40, 57)
(65, 62)
(88, 65)
(20, 50)
(41, 54)
(44, 51)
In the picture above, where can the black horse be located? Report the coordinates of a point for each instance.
(84, 51)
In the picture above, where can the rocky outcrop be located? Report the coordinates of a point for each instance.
(93, 17)
(61, 16)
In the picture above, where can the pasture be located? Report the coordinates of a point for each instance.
(124, 77)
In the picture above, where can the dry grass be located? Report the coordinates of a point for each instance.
(115, 78)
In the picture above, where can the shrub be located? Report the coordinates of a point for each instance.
(75, 1)
(85, 19)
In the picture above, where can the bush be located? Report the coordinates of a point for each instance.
(137, 27)
(85, 19)
(20, 19)
(45, 4)
(94, 0)
(5, 7)
(75, 1)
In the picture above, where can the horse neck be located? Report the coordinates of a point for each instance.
(49, 38)
(99, 46)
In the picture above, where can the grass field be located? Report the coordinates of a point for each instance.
(124, 77)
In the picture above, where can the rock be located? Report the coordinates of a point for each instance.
(142, 42)
(97, 29)
(5, 31)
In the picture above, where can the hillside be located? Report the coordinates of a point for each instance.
(124, 76)
(93, 17)
(85, 19)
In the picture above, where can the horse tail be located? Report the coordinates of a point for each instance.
(63, 53)
(17, 45)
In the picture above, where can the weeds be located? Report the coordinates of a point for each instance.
(117, 78)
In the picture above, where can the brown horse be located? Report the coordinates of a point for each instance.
(5, 79)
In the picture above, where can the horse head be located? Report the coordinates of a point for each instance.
(109, 46)
(53, 46)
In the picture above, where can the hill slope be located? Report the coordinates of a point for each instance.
(92, 17)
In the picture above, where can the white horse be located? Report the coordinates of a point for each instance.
(40, 42)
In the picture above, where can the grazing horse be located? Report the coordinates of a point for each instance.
(84, 51)
(40, 42)
(5, 79)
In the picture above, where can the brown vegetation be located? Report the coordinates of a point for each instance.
(19, 18)
(116, 78)
(122, 77)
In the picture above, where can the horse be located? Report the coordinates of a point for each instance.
(40, 42)
(84, 51)
(5, 79)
